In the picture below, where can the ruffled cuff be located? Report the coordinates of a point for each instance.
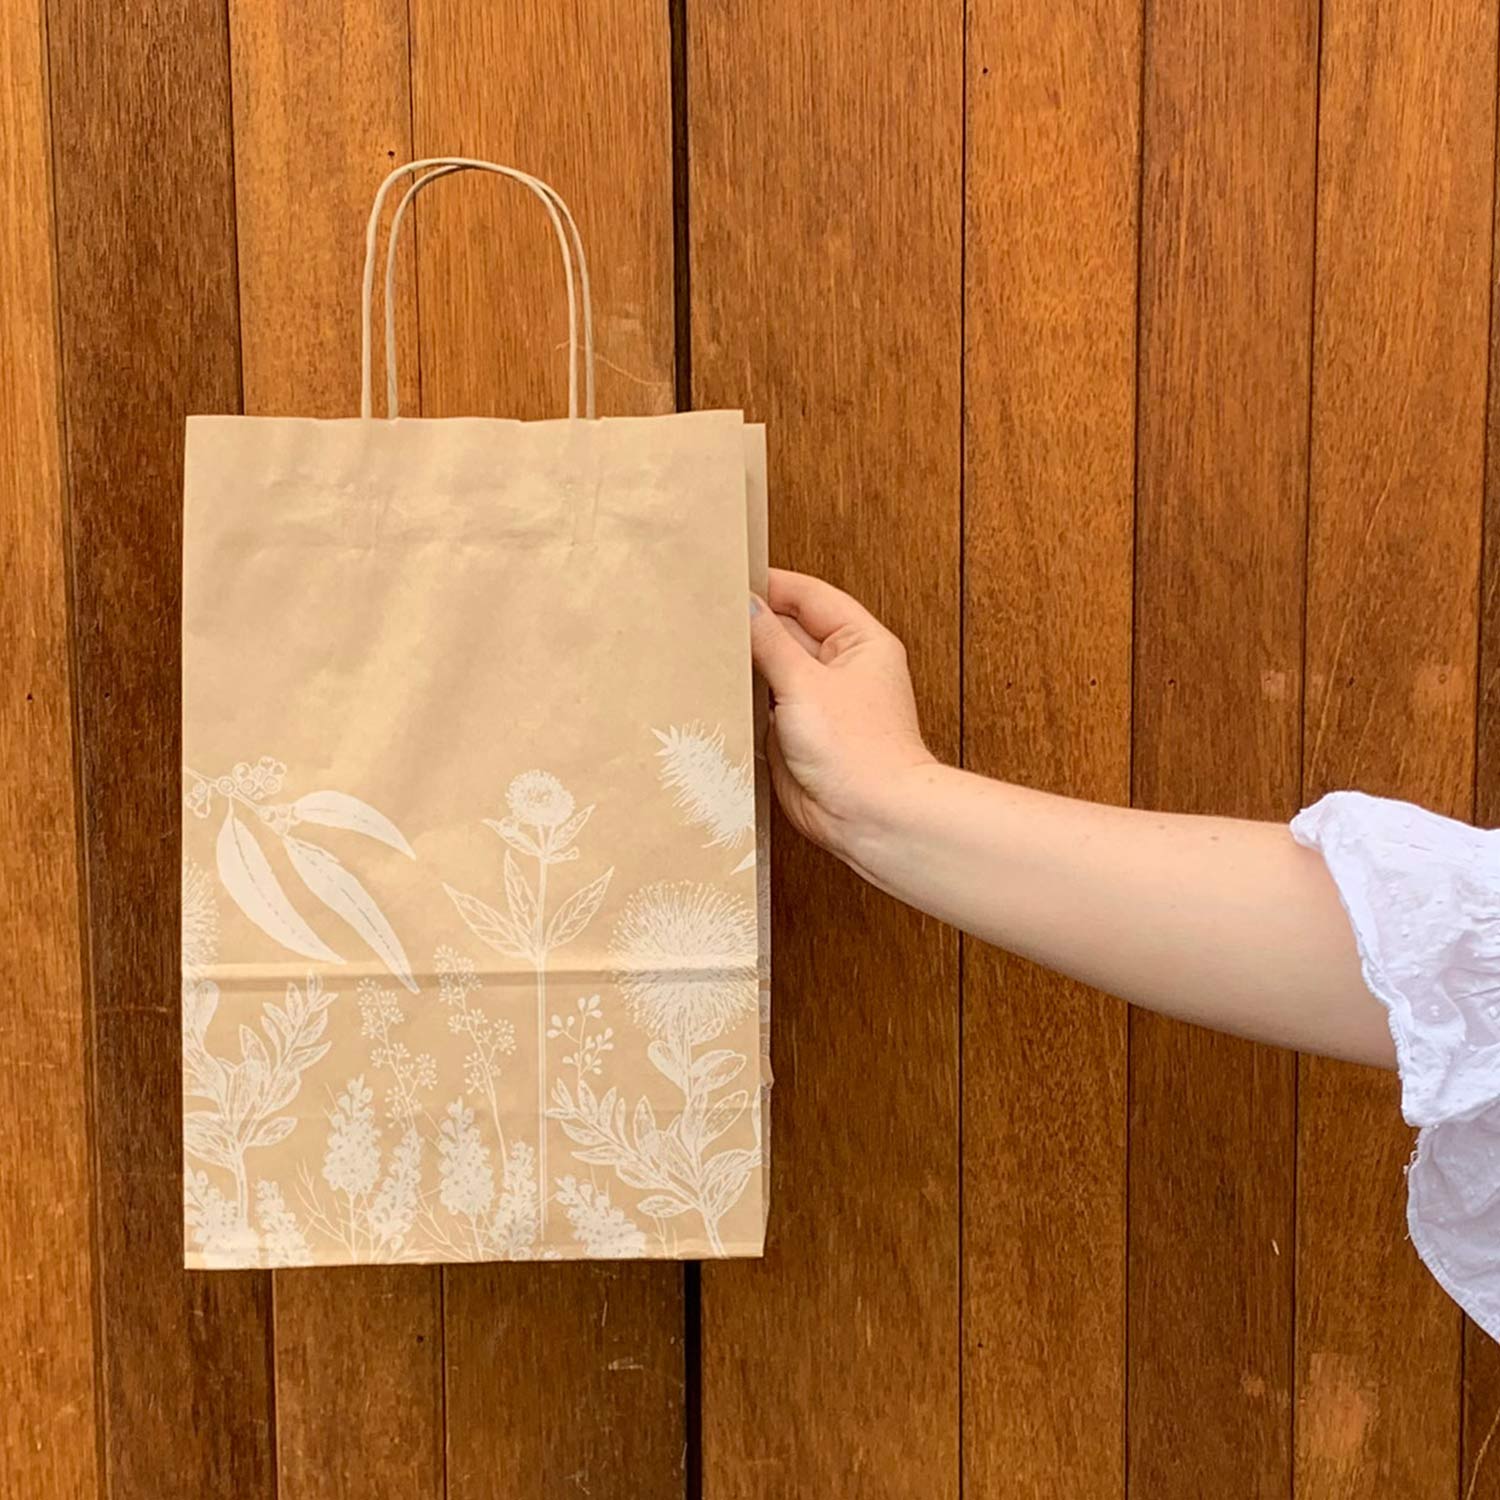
(1423, 895)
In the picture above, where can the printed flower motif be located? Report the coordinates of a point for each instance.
(603, 1230)
(263, 779)
(513, 1229)
(199, 798)
(457, 977)
(686, 960)
(200, 920)
(378, 1009)
(539, 798)
(282, 1239)
(395, 1205)
(213, 1220)
(468, 1184)
(352, 1159)
(708, 788)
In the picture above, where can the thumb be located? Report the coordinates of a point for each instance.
(777, 655)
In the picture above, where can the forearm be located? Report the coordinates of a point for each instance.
(1223, 922)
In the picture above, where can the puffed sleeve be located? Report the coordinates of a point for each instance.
(1422, 893)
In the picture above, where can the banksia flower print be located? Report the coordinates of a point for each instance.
(685, 957)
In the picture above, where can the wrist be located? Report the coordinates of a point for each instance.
(884, 819)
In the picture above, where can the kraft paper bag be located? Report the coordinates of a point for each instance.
(475, 953)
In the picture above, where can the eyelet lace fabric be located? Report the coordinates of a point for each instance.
(1423, 895)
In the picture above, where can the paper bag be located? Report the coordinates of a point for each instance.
(474, 953)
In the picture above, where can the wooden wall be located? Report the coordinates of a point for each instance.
(1131, 358)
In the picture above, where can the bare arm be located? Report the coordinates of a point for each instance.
(1226, 923)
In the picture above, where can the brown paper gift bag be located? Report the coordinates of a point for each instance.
(474, 909)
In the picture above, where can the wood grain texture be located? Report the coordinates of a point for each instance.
(1052, 184)
(322, 110)
(1481, 1366)
(1230, 100)
(825, 147)
(359, 1383)
(47, 1417)
(581, 97)
(149, 333)
(562, 1380)
(1406, 172)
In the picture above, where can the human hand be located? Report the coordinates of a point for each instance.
(844, 730)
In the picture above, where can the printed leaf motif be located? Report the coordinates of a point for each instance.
(577, 911)
(605, 1156)
(340, 810)
(569, 831)
(723, 1115)
(252, 1049)
(633, 1175)
(273, 1131)
(511, 832)
(250, 881)
(660, 1206)
(519, 896)
(727, 1175)
(204, 1136)
(665, 1061)
(714, 1069)
(490, 927)
(747, 863)
(340, 890)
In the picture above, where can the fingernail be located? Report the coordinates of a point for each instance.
(754, 606)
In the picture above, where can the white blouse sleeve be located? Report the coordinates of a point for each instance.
(1423, 895)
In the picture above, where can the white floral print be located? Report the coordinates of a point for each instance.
(542, 827)
(686, 959)
(382, 1156)
(602, 1229)
(710, 790)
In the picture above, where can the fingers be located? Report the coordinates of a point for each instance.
(778, 656)
(817, 606)
(799, 635)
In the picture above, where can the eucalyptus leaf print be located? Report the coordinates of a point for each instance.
(246, 873)
(252, 884)
(710, 790)
(340, 810)
(340, 891)
(542, 823)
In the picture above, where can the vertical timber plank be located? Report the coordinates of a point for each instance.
(1227, 221)
(1481, 1393)
(1049, 397)
(563, 1380)
(1406, 174)
(146, 285)
(47, 1433)
(825, 163)
(322, 110)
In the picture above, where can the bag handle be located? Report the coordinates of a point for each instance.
(431, 169)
